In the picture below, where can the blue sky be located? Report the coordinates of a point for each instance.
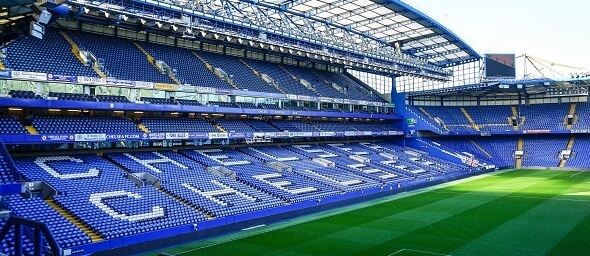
(553, 30)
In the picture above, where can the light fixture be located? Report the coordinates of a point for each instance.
(124, 17)
(174, 113)
(15, 109)
(143, 21)
(107, 14)
(73, 110)
(53, 110)
(138, 112)
(85, 10)
(119, 111)
(174, 27)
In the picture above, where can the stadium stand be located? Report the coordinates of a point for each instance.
(82, 124)
(177, 124)
(24, 94)
(32, 54)
(187, 65)
(122, 58)
(286, 82)
(10, 125)
(242, 76)
(186, 162)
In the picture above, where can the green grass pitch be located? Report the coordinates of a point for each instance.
(522, 212)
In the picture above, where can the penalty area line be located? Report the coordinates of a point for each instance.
(426, 252)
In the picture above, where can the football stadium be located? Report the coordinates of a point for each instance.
(281, 127)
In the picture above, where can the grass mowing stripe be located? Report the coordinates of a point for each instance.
(575, 242)
(451, 233)
(549, 222)
(314, 238)
(511, 202)
(190, 247)
(394, 225)
(524, 197)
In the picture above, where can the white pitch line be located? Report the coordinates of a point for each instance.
(525, 197)
(433, 253)
(253, 227)
(575, 174)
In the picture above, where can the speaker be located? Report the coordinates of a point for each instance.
(40, 14)
(37, 30)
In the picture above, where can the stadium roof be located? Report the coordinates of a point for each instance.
(374, 35)
(556, 87)
(391, 21)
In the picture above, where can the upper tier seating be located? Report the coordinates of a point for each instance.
(544, 116)
(112, 98)
(187, 65)
(282, 78)
(223, 104)
(495, 118)
(72, 96)
(41, 55)
(24, 94)
(233, 125)
(491, 118)
(159, 101)
(83, 124)
(294, 126)
(177, 124)
(242, 76)
(452, 116)
(122, 59)
(189, 102)
(333, 126)
(321, 87)
(260, 126)
(269, 106)
(355, 90)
